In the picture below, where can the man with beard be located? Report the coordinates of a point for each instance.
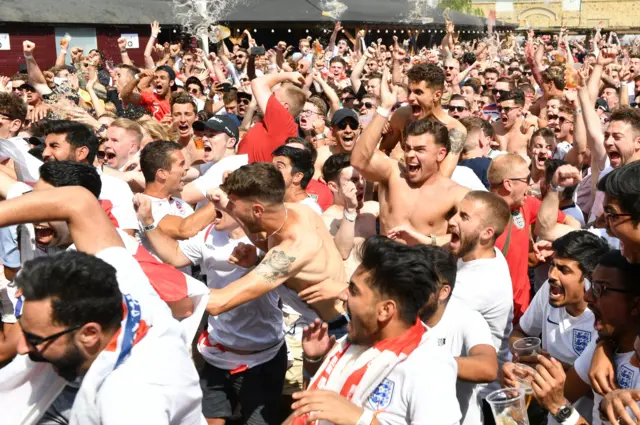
(614, 299)
(483, 281)
(509, 178)
(350, 220)
(622, 138)
(559, 312)
(296, 167)
(72, 141)
(462, 332)
(156, 88)
(509, 128)
(377, 374)
(426, 83)
(72, 314)
(345, 129)
(406, 189)
(300, 252)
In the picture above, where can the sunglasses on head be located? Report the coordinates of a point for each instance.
(342, 125)
(457, 108)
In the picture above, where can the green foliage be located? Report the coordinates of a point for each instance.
(464, 6)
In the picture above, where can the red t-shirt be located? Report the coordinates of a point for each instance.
(321, 192)
(518, 253)
(270, 133)
(152, 103)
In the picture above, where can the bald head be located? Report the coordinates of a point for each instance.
(506, 166)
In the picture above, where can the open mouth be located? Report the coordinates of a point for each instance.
(556, 292)
(218, 218)
(44, 234)
(413, 169)
(614, 158)
(455, 237)
(348, 140)
(183, 127)
(598, 324)
(416, 110)
(541, 159)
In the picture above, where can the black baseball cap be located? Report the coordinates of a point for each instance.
(602, 104)
(343, 114)
(218, 123)
(27, 86)
(168, 70)
(244, 95)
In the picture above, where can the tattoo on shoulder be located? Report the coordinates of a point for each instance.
(456, 139)
(275, 265)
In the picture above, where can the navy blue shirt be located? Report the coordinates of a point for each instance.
(480, 166)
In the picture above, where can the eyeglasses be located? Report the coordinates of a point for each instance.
(353, 125)
(520, 179)
(457, 108)
(612, 215)
(507, 109)
(369, 105)
(35, 340)
(308, 113)
(598, 289)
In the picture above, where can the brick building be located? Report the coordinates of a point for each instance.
(623, 16)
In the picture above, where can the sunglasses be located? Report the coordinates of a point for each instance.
(194, 91)
(507, 109)
(500, 93)
(349, 99)
(528, 73)
(635, 105)
(449, 68)
(102, 155)
(369, 105)
(243, 101)
(458, 108)
(35, 340)
(348, 123)
(564, 119)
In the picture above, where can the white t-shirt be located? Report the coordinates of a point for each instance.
(254, 326)
(565, 337)
(627, 376)
(485, 286)
(160, 208)
(120, 195)
(464, 176)
(419, 391)
(459, 330)
(157, 383)
(213, 175)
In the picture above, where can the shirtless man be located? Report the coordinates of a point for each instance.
(300, 252)
(408, 191)
(350, 220)
(512, 121)
(426, 85)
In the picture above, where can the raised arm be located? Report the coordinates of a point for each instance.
(183, 228)
(122, 44)
(547, 226)
(261, 87)
(595, 138)
(128, 93)
(148, 50)
(366, 158)
(33, 70)
(579, 148)
(356, 73)
(90, 227)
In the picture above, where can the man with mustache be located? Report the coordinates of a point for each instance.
(559, 310)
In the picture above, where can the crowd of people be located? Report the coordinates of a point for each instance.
(356, 233)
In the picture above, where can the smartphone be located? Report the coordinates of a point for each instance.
(257, 51)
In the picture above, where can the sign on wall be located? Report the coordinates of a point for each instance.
(132, 40)
(571, 5)
(5, 44)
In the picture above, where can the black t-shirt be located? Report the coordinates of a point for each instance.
(480, 166)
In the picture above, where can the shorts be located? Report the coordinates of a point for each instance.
(258, 391)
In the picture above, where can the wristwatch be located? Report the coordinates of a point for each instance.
(149, 227)
(557, 188)
(567, 415)
(350, 217)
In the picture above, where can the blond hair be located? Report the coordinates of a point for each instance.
(129, 126)
(155, 130)
(501, 166)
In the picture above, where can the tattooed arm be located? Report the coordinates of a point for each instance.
(457, 137)
(281, 263)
